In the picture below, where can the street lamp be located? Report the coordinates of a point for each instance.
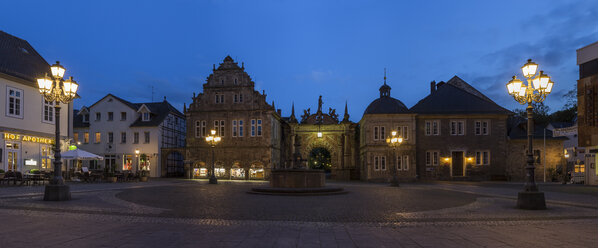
(137, 156)
(394, 141)
(55, 89)
(536, 90)
(212, 139)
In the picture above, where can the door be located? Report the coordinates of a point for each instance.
(12, 156)
(457, 164)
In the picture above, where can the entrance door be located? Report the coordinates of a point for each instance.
(457, 164)
(12, 156)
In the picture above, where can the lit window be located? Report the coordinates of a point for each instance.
(76, 137)
(86, 137)
(98, 137)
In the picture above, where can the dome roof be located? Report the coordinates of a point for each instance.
(386, 105)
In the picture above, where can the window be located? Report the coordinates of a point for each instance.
(481, 127)
(46, 157)
(123, 137)
(379, 133)
(376, 133)
(403, 132)
(110, 137)
(147, 137)
(48, 112)
(217, 126)
(146, 116)
(383, 163)
(110, 116)
(236, 98)
(86, 137)
(399, 164)
(98, 137)
(432, 158)
(123, 116)
(382, 133)
(240, 97)
(219, 98)
(197, 129)
(259, 127)
(482, 157)
(457, 128)
(235, 81)
(432, 127)
(405, 162)
(240, 128)
(234, 128)
(221, 134)
(252, 127)
(203, 128)
(76, 137)
(14, 105)
(98, 116)
(376, 163)
(85, 118)
(136, 137)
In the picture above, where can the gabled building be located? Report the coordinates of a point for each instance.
(251, 129)
(114, 128)
(383, 116)
(27, 129)
(460, 133)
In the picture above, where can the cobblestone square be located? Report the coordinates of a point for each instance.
(185, 213)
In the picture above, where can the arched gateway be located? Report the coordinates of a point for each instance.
(323, 134)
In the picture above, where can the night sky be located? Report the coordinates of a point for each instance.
(298, 50)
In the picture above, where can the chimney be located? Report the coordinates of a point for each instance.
(432, 87)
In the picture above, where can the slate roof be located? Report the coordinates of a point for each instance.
(78, 120)
(19, 59)
(159, 112)
(517, 129)
(457, 97)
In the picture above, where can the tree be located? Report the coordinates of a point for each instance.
(539, 113)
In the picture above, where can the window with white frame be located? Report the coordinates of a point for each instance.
(383, 163)
(86, 118)
(219, 98)
(259, 127)
(457, 128)
(203, 128)
(136, 137)
(252, 127)
(197, 129)
(147, 137)
(98, 137)
(482, 127)
(379, 133)
(123, 137)
(376, 133)
(376, 163)
(98, 116)
(399, 161)
(221, 134)
(240, 128)
(48, 112)
(110, 116)
(234, 128)
(403, 132)
(146, 116)
(85, 137)
(432, 158)
(382, 133)
(110, 137)
(217, 126)
(240, 97)
(432, 127)
(14, 102)
(405, 162)
(482, 157)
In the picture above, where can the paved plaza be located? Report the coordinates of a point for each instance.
(186, 213)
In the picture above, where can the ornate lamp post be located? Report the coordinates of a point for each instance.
(55, 89)
(212, 139)
(394, 141)
(536, 90)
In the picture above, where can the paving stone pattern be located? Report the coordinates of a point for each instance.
(194, 214)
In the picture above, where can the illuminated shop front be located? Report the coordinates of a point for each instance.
(236, 172)
(256, 171)
(219, 170)
(24, 152)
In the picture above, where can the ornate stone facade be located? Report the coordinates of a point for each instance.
(250, 128)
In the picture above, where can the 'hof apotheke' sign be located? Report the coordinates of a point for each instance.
(28, 138)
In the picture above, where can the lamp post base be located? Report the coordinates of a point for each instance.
(213, 180)
(531, 200)
(57, 192)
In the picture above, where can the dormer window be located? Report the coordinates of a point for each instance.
(145, 117)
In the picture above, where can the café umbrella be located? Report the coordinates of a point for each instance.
(81, 155)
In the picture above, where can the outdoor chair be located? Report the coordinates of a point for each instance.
(9, 176)
(19, 177)
(85, 177)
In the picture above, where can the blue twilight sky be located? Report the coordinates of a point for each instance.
(297, 50)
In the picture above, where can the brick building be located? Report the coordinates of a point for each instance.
(587, 107)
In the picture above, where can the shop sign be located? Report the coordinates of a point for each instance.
(34, 139)
(32, 162)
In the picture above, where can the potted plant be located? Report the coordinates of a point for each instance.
(143, 177)
(109, 175)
